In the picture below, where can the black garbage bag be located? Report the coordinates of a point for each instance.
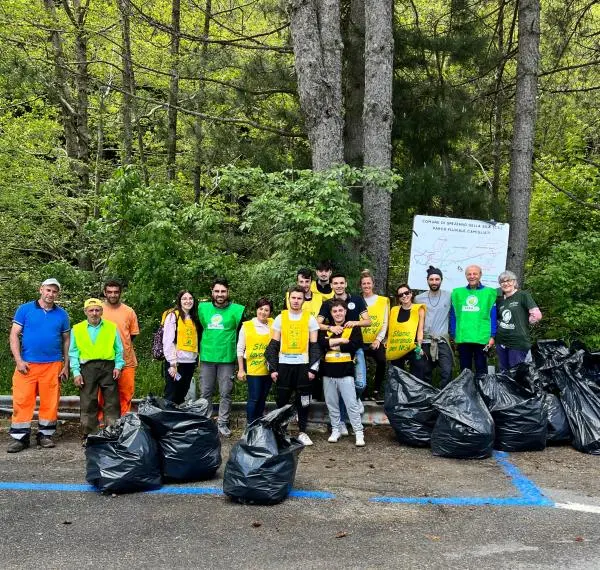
(123, 458)
(465, 428)
(558, 424)
(262, 465)
(581, 404)
(549, 353)
(517, 403)
(408, 406)
(188, 438)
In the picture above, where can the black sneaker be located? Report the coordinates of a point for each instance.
(17, 445)
(45, 441)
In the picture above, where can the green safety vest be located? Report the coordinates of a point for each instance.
(472, 311)
(103, 348)
(219, 326)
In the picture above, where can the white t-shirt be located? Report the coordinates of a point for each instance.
(284, 358)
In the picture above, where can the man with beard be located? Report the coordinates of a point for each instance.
(436, 341)
(127, 325)
(322, 284)
(220, 320)
(312, 300)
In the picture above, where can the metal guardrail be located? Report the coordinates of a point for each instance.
(69, 410)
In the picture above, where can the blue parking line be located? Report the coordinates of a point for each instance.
(529, 494)
(167, 490)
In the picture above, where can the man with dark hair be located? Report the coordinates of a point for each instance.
(312, 300)
(220, 321)
(322, 284)
(356, 316)
(127, 325)
(436, 341)
(293, 357)
(39, 342)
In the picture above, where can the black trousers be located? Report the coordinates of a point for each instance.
(445, 361)
(292, 384)
(175, 390)
(416, 366)
(380, 364)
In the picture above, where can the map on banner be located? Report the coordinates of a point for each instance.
(452, 244)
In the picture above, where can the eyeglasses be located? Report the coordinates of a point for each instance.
(404, 293)
(504, 281)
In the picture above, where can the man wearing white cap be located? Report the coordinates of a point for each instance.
(96, 357)
(39, 342)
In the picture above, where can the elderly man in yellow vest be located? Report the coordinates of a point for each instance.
(96, 359)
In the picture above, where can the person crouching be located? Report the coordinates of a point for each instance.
(339, 344)
(96, 358)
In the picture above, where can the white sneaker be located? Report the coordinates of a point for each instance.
(360, 440)
(304, 439)
(335, 436)
(343, 429)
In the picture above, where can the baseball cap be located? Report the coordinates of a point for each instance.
(93, 302)
(51, 281)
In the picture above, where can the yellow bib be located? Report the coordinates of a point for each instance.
(377, 313)
(294, 334)
(334, 355)
(187, 336)
(313, 306)
(325, 296)
(401, 336)
(256, 344)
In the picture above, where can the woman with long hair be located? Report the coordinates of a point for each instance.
(180, 346)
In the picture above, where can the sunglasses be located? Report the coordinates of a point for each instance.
(404, 293)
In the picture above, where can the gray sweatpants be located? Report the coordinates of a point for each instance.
(344, 387)
(212, 372)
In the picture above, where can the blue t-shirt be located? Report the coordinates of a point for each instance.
(41, 339)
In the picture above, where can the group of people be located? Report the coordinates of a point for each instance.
(317, 345)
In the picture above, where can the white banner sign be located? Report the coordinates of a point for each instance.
(452, 244)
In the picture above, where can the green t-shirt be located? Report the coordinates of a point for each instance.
(219, 332)
(513, 320)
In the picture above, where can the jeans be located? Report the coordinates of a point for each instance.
(469, 351)
(258, 390)
(445, 361)
(342, 388)
(221, 372)
(510, 357)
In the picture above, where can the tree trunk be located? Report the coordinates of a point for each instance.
(173, 90)
(377, 120)
(354, 82)
(317, 43)
(519, 191)
(198, 123)
(127, 78)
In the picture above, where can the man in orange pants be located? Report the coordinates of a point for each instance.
(127, 325)
(39, 342)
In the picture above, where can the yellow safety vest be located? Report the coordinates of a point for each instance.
(294, 334)
(325, 296)
(377, 313)
(313, 306)
(256, 344)
(103, 348)
(187, 335)
(335, 355)
(401, 336)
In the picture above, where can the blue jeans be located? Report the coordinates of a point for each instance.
(360, 380)
(258, 390)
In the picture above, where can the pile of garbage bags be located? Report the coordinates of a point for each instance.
(555, 399)
(262, 466)
(163, 442)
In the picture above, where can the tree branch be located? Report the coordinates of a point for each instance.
(573, 197)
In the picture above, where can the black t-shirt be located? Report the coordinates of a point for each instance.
(339, 369)
(325, 289)
(356, 306)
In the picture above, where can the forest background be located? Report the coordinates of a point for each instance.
(168, 142)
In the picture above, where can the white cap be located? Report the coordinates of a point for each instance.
(51, 281)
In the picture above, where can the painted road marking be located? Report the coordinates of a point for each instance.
(529, 494)
(578, 507)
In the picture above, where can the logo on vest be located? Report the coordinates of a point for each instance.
(216, 322)
(470, 305)
(351, 306)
